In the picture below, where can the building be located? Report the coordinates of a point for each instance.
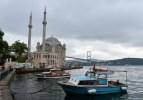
(53, 55)
(49, 53)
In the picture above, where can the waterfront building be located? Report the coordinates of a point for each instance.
(49, 53)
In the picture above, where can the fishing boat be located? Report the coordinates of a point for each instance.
(53, 73)
(93, 82)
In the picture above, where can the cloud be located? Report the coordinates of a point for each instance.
(101, 50)
(115, 22)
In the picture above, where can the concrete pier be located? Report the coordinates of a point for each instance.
(4, 86)
(31, 70)
(24, 71)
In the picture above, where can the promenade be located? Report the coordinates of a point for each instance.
(4, 85)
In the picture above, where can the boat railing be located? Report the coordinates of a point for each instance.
(126, 74)
(107, 72)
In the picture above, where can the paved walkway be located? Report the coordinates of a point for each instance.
(4, 87)
(5, 93)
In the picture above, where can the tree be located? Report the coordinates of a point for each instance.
(4, 49)
(20, 49)
(1, 34)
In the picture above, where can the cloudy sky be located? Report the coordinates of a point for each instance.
(110, 29)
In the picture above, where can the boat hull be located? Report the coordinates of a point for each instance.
(85, 90)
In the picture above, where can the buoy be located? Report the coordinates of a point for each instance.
(124, 88)
(92, 91)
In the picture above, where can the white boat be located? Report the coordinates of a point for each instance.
(53, 73)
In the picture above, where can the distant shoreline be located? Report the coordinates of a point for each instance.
(117, 62)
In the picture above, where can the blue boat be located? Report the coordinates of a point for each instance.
(93, 82)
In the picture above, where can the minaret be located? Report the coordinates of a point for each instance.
(29, 37)
(44, 31)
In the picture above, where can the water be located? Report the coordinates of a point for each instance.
(27, 87)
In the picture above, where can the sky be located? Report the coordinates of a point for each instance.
(110, 29)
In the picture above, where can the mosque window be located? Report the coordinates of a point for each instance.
(48, 56)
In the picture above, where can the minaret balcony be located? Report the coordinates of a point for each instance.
(30, 26)
(44, 22)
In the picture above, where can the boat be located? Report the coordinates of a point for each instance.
(53, 73)
(93, 82)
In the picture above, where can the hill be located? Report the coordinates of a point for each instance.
(121, 62)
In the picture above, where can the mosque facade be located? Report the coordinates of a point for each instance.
(50, 53)
(53, 55)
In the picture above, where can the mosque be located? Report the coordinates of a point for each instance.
(49, 53)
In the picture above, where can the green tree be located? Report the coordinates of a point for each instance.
(20, 49)
(1, 34)
(4, 49)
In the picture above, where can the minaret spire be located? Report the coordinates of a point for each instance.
(44, 30)
(29, 37)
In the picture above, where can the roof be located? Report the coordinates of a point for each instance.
(52, 41)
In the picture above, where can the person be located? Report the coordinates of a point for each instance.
(94, 67)
(2, 67)
(117, 82)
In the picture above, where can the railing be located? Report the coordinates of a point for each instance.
(4, 73)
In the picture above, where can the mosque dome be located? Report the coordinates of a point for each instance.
(52, 41)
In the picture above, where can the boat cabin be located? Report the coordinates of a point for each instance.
(91, 78)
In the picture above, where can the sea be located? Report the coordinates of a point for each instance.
(28, 87)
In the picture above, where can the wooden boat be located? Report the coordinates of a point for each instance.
(93, 82)
(53, 73)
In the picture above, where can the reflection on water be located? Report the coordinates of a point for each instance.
(95, 97)
(27, 87)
